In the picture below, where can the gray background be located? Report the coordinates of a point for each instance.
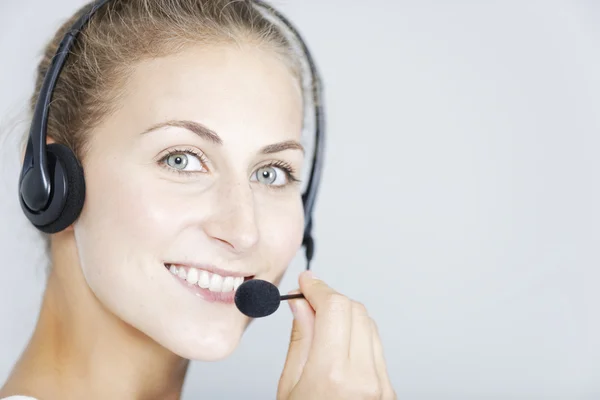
(459, 203)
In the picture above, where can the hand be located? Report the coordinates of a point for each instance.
(335, 351)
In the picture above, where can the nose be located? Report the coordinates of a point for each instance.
(233, 218)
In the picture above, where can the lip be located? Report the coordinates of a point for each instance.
(211, 268)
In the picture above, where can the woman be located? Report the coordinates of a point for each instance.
(187, 117)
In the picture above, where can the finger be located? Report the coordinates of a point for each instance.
(299, 348)
(361, 338)
(333, 319)
(388, 392)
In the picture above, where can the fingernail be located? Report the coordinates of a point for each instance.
(311, 275)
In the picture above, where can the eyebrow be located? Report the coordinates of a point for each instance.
(277, 147)
(210, 135)
(195, 127)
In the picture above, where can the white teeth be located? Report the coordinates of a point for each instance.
(207, 280)
(227, 284)
(237, 282)
(216, 283)
(204, 280)
(192, 276)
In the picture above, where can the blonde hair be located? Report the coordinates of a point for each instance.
(124, 32)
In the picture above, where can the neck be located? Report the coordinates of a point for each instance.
(81, 350)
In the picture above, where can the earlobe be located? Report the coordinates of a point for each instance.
(70, 228)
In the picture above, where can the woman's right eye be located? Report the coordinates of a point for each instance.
(184, 161)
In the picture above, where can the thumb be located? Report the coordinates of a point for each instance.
(300, 343)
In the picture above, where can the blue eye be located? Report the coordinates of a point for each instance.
(178, 161)
(277, 174)
(270, 175)
(184, 161)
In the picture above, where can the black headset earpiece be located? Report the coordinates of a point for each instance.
(52, 184)
(67, 191)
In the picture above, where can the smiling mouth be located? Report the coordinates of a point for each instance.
(214, 282)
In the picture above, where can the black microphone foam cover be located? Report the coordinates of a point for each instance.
(257, 298)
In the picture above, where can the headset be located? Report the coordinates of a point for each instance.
(52, 184)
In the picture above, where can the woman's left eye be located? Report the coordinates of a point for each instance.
(184, 161)
(270, 175)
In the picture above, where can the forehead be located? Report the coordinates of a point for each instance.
(239, 91)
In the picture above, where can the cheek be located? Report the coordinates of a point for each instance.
(121, 214)
(283, 229)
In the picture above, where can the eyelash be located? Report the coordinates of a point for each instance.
(287, 169)
(284, 166)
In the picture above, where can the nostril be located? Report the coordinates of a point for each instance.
(225, 242)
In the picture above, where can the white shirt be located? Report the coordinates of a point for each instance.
(18, 398)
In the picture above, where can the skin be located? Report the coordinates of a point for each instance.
(112, 312)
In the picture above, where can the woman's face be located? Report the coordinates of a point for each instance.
(195, 172)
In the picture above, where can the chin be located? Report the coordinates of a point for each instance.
(207, 349)
(202, 343)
